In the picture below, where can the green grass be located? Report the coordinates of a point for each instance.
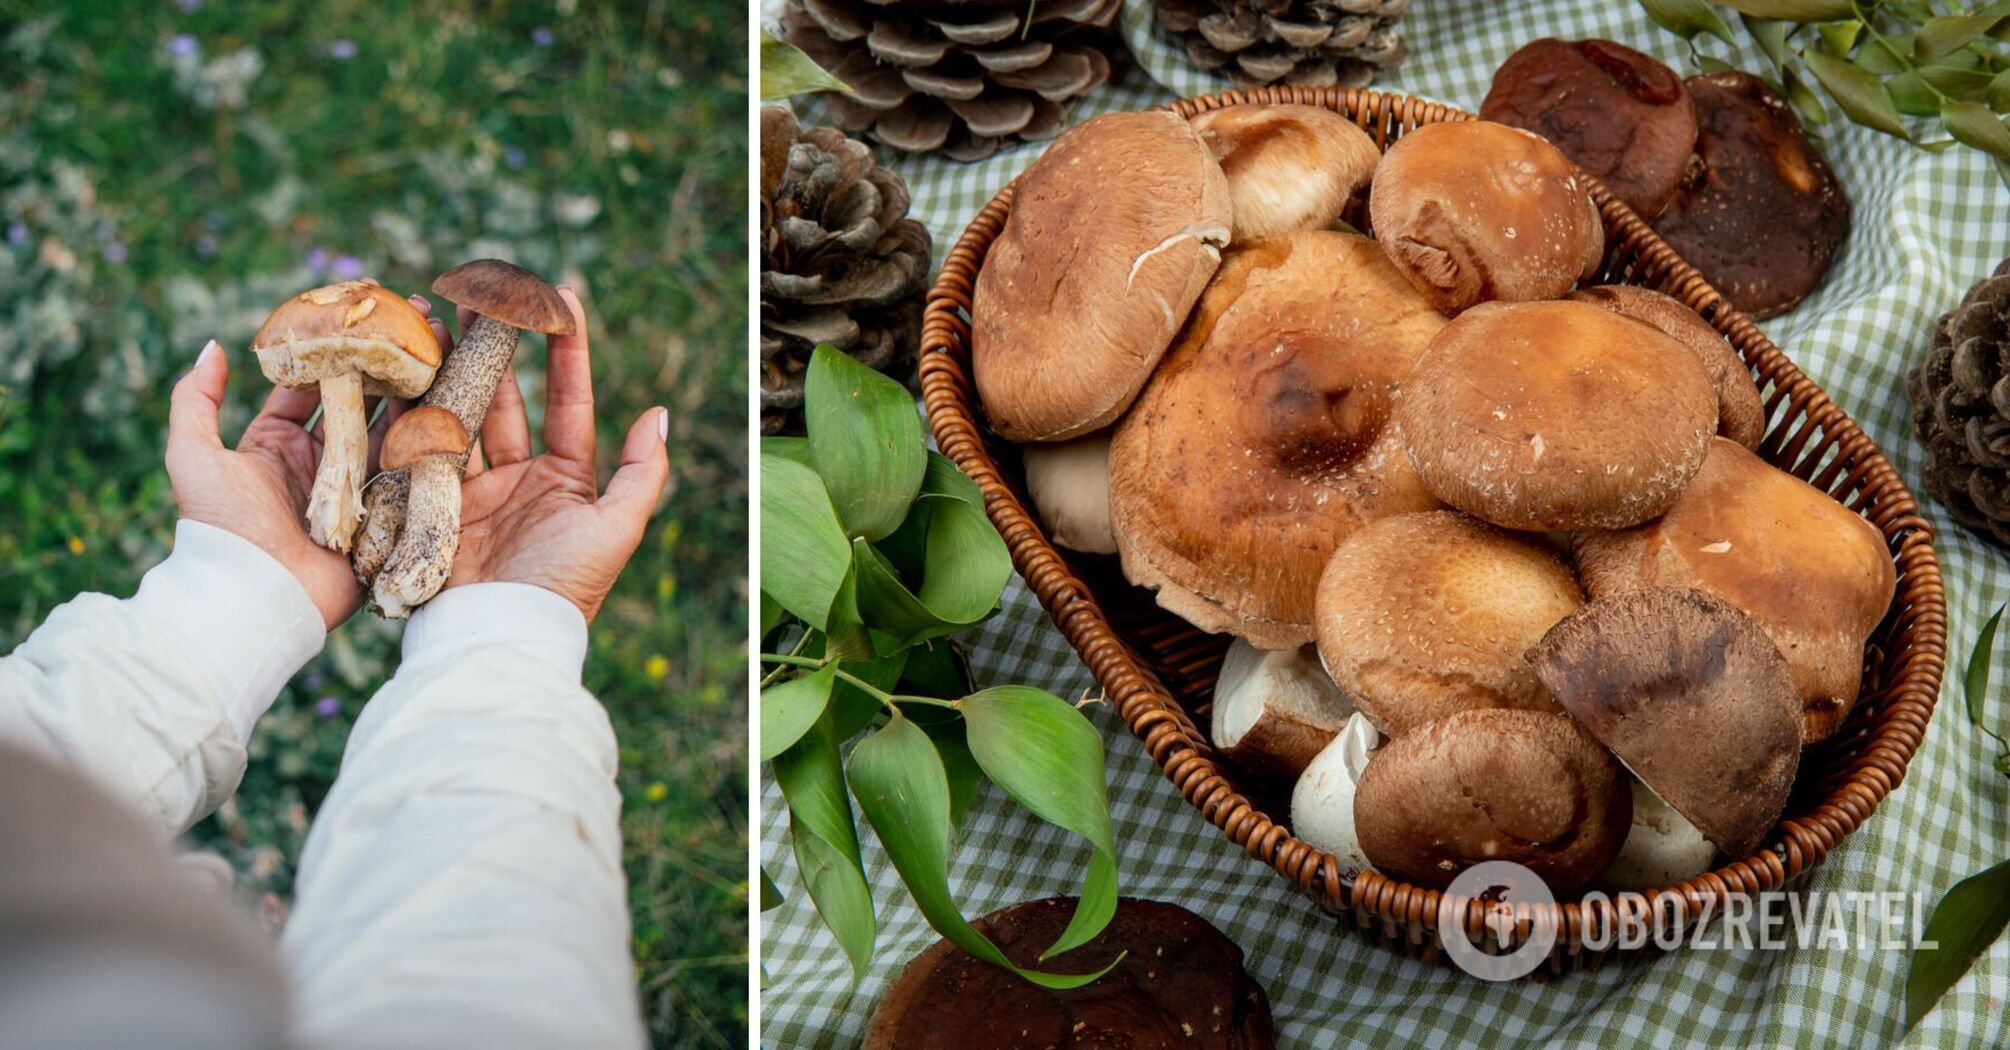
(170, 170)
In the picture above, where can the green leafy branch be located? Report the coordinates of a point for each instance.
(1890, 65)
(874, 551)
(786, 70)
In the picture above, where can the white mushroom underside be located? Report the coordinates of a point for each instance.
(1322, 802)
(385, 366)
(1662, 847)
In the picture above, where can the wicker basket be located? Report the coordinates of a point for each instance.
(1159, 671)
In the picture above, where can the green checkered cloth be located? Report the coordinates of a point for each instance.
(1927, 226)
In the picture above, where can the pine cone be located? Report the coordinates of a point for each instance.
(840, 262)
(1961, 408)
(961, 76)
(1316, 43)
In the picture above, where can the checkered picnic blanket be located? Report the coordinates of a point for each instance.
(1926, 227)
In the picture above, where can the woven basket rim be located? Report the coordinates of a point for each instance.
(1841, 461)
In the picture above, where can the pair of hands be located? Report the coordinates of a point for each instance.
(536, 519)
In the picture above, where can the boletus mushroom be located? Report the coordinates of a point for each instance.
(1181, 985)
(1814, 574)
(431, 445)
(347, 340)
(1322, 801)
(1692, 696)
(1493, 784)
(1288, 167)
(1274, 709)
(1741, 415)
(1069, 483)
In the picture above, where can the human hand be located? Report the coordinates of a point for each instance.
(542, 519)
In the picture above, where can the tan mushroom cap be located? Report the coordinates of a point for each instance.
(424, 431)
(1473, 211)
(1694, 699)
(507, 292)
(1424, 615)
(355, 326)
(1741, 415)
(1493, 784)
(1288, 167)
(1114, 231)
(1812, 573)
(1556, 416)
(1264, 438)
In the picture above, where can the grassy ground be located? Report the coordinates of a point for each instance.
(169, 171)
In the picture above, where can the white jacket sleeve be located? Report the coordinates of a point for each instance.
(462, 884)
(154, 697)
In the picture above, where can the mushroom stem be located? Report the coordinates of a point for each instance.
(335, 506)
(424, 555)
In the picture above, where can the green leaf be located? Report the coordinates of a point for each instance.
(1688, 18)
(897, 777)
(965, 776)
(846, 634)
(1792, 10)
(804, 553)
(852, 708)
(1049, 758)
(1975, 684)
(1804, 99)
(1861, 96)
(1878, 59)
(786, 70)
(772, 614)
(826, 842)
(1771, 36)
(1945, 34)
(793, 449)
(865, 439)
(1839, 37)
(1911, 95)
(791, 706)
(771, 894)
(1974, 125)
(1713, 66)
(936, 669)
(893, 608)
(1999, 92)
(1964, 923)
(1968, 85)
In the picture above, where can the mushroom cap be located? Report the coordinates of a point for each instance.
(1263, 440)
(1322, 801)
(1069, 482)
(1180, 983)
(1114, 231)
(1814, 574)
(1288, 167)
(1556, 416)
(1472, 211)
(1424, 615)
(1692, 696)
(427, 430)
(354, 326)
(1741, 415)
(1493, 784)
(507, 292)
(1761, 216)
(1620, 115)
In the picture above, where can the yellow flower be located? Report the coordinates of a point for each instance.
(656, 791)
(656, 667)
(76, 545)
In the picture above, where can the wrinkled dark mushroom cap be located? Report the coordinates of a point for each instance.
(507, 292)
(1180, 985)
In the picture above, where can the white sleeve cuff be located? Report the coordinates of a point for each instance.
(519, 617)
(237, 613)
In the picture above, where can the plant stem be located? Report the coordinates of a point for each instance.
(884, 697)
(1902, 58)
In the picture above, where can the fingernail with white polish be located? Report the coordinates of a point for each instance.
(209, 350)
(663, 425)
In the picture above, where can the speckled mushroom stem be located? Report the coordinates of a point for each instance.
(424, 557)
(335, 505)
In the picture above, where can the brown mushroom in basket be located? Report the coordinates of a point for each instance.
(1814, 574)
(1288, 167)
(1556, 417)
(1263, 440)
(1424, 615)
(1181, 985)
(1114, 231)
(1473, 211)
(1493, 784)
(1741, 415)
(1274, 709)
(1694, 699)
(347, 340)
(1069, 483)
(431, 445)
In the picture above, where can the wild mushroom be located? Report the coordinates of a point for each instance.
(1069, 482)
(1493, 784)
(347, 339)
(506, 300)
(1322, 802)
(1424, 615)
(1288, 167)
(1692, 696)
(1662, 848)
(1741, 415)
(1556, 417)
(429, 443)
(1814, 574)
(1114, 232)
(1263, 439)
(1274, 710)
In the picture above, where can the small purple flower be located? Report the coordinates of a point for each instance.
(188, 7)
(542, 36)
(317, 260)
(342, 50)
(17, 233)
(115, 252)
(183, 45)
(327, 707)
(205, 246)
(347, 268)
(513, 157)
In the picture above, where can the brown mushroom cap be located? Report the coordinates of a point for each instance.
(1181, 984)
(1114, 232)
(1694, 699)
(507, 292)
(424, 431)
(1618, 114)
(1556, 416)
(1741, 415)
(1814, 575)
(1493, 784)
(1424, 615)
(355, 326)
(1761, 216)
(1473, 211)
(1264, 438)
(1288, 167)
